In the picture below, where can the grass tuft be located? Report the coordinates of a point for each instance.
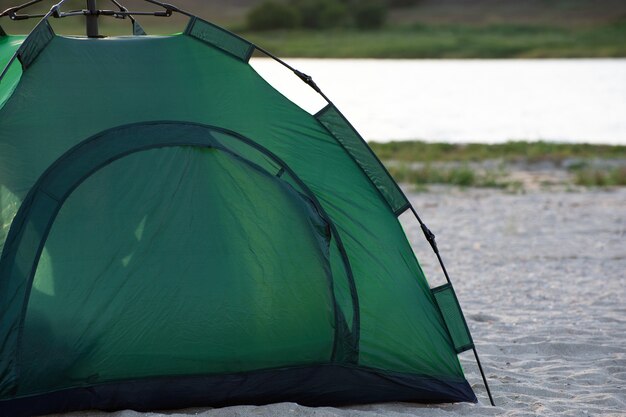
(513, 151)
(510, 166)
(600, 177)
(461, 176)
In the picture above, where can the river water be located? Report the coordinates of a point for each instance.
(565, 100)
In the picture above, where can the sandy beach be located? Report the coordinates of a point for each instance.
(542, 279)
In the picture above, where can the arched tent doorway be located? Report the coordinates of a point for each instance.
(173, 237)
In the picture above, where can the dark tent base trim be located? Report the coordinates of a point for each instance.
(319, 385)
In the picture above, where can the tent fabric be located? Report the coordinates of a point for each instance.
(169, 219)
(8, 47)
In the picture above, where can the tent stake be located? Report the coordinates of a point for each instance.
(92, 19)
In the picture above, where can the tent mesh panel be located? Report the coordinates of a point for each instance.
(354, 144)
(453, 316)
(35, 43)
(220, 38)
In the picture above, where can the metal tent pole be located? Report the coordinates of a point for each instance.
(92, 19)
(480, 368)
(430, 237)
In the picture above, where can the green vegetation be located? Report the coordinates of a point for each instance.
(320, 14)
(600, 177)
(490, 166)
(414, 29)
(402, 3)
(317, 14)
(517, 151)
(410, 28)
(273, 15)
(369, 14)
(462, 176)
(450, 41)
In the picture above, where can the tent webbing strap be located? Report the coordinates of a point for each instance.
(220, 38)
(453, 317)
(337, 125)
(36, 42)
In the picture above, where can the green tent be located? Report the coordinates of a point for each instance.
(175, 232)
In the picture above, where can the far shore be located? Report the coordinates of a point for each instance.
(449, 41)
(428, 41)
(513, 166)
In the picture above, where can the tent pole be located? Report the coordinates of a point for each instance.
(480, 367)
(92, 19)
(430, 237)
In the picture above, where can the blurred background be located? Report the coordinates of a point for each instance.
(396, 28)
(443, 28)
(519, 80)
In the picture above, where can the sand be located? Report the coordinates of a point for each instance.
(542, 279)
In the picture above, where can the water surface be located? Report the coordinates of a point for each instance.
(568, 100)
